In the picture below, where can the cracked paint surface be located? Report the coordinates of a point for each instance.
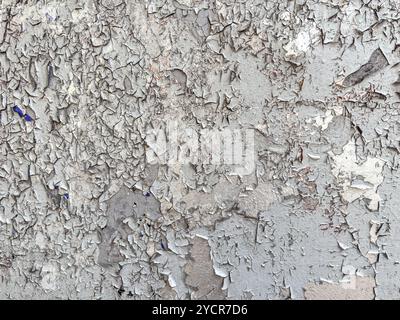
(91, 208)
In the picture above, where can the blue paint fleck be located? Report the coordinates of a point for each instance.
(66, 196)
(18, 110)
(163, 246)
(147, 194)
(26, 116)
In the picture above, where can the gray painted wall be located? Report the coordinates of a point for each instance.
(118, 184)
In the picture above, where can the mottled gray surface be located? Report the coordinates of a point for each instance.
(89, 210)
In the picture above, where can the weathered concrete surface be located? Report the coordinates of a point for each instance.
(89, 209)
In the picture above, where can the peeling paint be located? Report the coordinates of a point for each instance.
(198, 149)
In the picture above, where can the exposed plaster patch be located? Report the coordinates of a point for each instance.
(302, 43)
(358, 180)
(359, 288)
(200, 273)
